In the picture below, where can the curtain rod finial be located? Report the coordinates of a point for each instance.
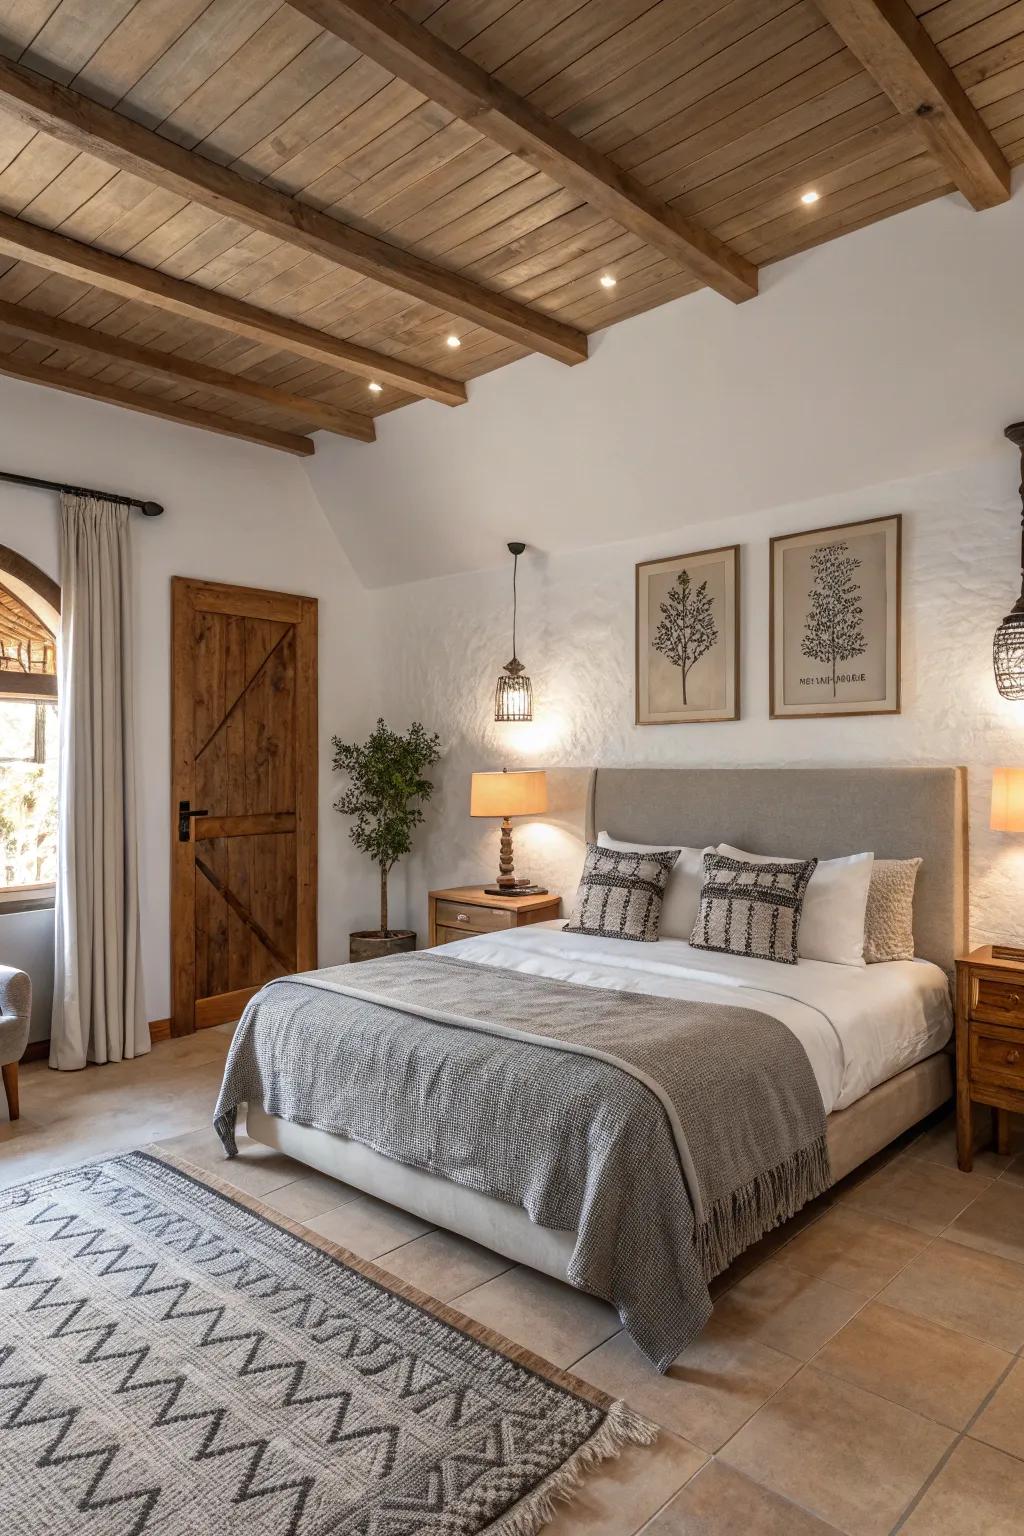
(151, 509)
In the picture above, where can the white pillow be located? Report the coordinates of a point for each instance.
(832, 926)
(682, 894)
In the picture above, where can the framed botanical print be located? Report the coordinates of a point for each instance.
(688, 638)
(834, 643)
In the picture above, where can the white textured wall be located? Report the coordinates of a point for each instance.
(234, 512)
(447, 639)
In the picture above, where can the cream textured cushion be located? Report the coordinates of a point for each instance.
(832, 925)
(751, 909)
(682, 894)
(889, 920)
(620, 894)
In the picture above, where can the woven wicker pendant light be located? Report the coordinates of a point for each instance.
(513, 696)
(1008, 645)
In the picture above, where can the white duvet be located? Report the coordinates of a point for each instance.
(858, 1025)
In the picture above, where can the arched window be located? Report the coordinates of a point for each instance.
(29, 619)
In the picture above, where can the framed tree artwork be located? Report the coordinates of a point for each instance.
(688, 638)
(834, 642)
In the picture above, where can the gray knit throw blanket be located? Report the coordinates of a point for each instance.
(667, 1134)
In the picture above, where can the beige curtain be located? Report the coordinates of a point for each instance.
(98, 1008)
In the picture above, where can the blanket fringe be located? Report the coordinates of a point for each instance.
(772, 1197)
(621, 1427)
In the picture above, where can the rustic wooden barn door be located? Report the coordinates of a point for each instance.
(244, 795)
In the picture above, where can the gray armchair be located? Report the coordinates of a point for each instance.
(15, 1008)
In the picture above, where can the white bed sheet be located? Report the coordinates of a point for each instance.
(858, 1025)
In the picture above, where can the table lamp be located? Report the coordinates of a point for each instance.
(523, 792)
(1007, 816)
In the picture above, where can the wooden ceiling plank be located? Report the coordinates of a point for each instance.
(21, 27)
(220, 29)
(660, 38)
(135, 45)
(71, 35)
(744, 71)
(466, 90)
(45, 248)
(896, 50)
(36, 324)
(752, 105)
(746, 179)
(271, 48)
(823, 113)
(985, 35)
(651, 89)
(115, 394)
(72, 119)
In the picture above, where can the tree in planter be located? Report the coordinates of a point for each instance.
(387, 779)
(687, 630)
(832, 628)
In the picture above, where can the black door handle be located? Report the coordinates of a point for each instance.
(185, 814)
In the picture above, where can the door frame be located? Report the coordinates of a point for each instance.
(187, 594)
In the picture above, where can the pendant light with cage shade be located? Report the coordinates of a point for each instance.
(1008, 645)
(513, 696)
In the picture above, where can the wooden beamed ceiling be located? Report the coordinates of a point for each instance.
(241, 214)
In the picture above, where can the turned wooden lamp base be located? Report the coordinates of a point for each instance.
(506, 883)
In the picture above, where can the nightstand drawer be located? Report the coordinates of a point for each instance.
(998, 1002)
(470, 919)
(997, 1057)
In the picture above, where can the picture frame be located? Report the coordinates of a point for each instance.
(835, 620)
(687, 636)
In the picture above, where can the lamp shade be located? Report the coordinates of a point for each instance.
(519, 793)
(1007, 800)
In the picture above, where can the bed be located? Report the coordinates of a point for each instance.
(875, 1037)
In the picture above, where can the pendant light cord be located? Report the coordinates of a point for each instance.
(515, 599)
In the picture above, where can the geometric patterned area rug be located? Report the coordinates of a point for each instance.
(175, 1361)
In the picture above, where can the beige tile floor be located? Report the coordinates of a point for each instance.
(863, 1372)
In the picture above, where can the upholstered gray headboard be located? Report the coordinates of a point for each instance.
(896, 813)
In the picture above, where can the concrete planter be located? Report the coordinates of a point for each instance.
(373, 945)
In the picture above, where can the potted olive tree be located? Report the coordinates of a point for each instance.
(384, 795)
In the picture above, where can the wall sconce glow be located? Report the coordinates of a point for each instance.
(1008, 642)
(454, 341)
(375, 388)
(513, 695)
(1007, 800)
(608, 281)
(809, 197)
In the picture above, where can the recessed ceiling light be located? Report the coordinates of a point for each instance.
(375, 388)
(809, 197)
(455, 341)
(608, 281)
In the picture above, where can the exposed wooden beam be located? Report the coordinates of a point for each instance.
(56, 253)
(133, 400)
(73, 119)
(898, 53)
(33, 323)
(424, 61)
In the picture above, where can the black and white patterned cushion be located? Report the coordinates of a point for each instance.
(620, 893)
(751, 909)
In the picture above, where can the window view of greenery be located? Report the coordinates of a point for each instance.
(28, 792)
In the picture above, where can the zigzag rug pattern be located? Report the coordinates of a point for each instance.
(173, 1363)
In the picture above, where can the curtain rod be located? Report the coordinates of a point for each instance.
(147, 508)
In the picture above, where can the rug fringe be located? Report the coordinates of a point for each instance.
(621, 1428)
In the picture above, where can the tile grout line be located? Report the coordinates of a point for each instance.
(804, 1364)
(944, 1459)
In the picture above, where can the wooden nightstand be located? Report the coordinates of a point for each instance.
(989, 1043)
(467, 909)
